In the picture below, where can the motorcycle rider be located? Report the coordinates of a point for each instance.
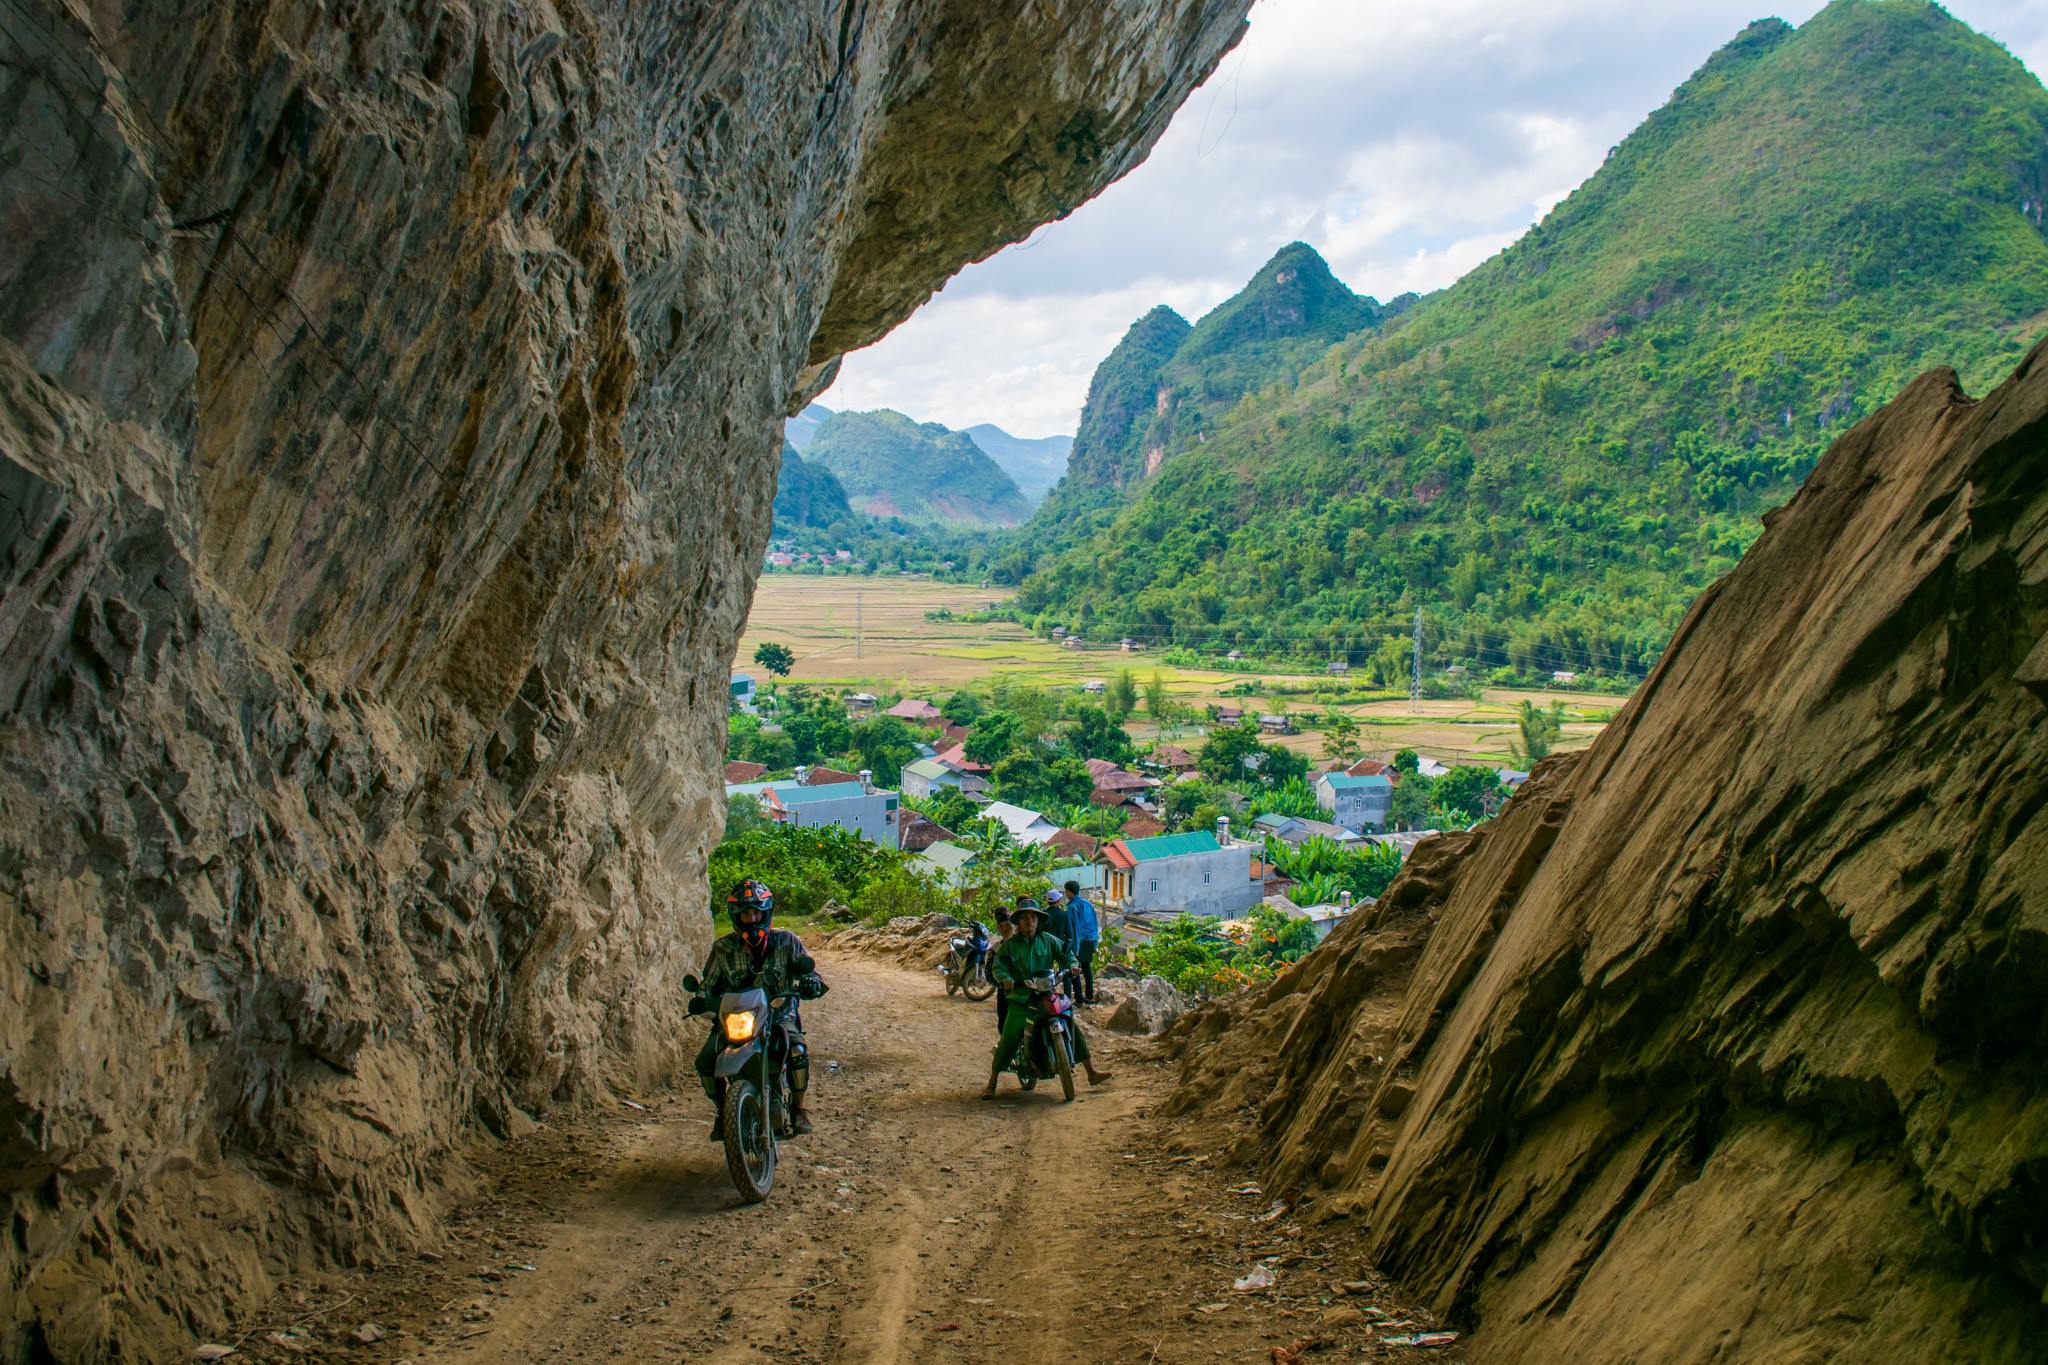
(1026, 954)
(757, 954)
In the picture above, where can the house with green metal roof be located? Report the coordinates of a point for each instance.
(1194, 873)
(948, 863)
(1357, 801)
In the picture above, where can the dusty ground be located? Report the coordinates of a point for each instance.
(916, 1224)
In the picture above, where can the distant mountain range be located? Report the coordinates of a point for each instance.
(1553, 457)
(1033, 463)
(891, 466)
(1036, 463)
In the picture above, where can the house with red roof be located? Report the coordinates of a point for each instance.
(740, 771)
(916, 710)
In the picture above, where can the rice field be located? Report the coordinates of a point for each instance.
(871, 634)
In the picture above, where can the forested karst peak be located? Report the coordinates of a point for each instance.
(894, 466)
(1555, 455)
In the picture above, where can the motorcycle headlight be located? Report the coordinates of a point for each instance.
(739, 1027)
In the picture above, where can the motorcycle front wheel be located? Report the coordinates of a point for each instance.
(749, 1141)
(978, 986)
(1064, 1064)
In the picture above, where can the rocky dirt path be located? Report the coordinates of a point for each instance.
(904, 1229)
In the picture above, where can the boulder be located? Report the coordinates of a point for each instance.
(1151, 1006)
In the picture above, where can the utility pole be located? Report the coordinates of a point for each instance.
(857, 624)
(1415, 682)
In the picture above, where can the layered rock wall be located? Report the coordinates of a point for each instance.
(1727, 1039)
(390, 401)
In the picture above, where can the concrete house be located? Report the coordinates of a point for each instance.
(948, 863)
(1180, 872)
(743, 692)
(927, 777)
(1294, 831)
(1025, 826)
(1357, 803)
(853, 806)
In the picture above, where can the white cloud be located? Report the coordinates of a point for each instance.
(1022, 363)
(1408, 140)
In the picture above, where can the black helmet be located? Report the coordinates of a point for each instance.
(751, 895)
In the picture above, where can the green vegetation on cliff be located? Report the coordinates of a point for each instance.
(891, 466)
(1166, 385)
(1554, 456)
(807, 496)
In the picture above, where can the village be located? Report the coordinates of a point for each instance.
(1012, 789)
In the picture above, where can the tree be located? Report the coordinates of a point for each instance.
(993, 736)
(1407, 761)
(1540, 727)
(1467, 790)
(1036, 709)
(742, 813)
(1340, 737)
(1068, 780)
(962, 708)
(1414, 797)
(1122, 696)
(1293, 797)
(777, 659)
(1222, 757)
(1279, 765)
(1184, 798)
(1156, 698)
(818, 731)
(1094, 734)
(884, 744)
(1020, 777)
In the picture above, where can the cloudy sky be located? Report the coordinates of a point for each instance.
(1407, 140)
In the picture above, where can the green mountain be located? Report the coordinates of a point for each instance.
(1167, 385)
(1554, 456)
(807, 496)
(891, 466)
(1035, 463)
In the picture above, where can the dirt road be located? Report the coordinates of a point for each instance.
(915, 1224)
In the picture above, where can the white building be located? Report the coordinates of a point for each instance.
(1189, 873)
(1025, 826)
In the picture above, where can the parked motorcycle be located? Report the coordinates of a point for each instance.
(966, 966)
(754, 1048)
(1048, 1050)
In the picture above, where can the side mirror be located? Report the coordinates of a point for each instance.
(692, 985)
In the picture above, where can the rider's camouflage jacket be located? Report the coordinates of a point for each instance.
(1020, 959)
(784, 966)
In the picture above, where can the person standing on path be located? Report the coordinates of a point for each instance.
(1027, 954)
(1087, 928)
(1056, 922)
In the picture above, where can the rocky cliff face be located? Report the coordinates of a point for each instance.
(389, 414)
(1725, 1041)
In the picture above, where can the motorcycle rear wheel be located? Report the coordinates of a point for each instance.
(978, 987)
(749, 1141)
(1064, 1064)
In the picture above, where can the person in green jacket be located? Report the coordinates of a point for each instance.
(756, 953)
(1029, 953)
